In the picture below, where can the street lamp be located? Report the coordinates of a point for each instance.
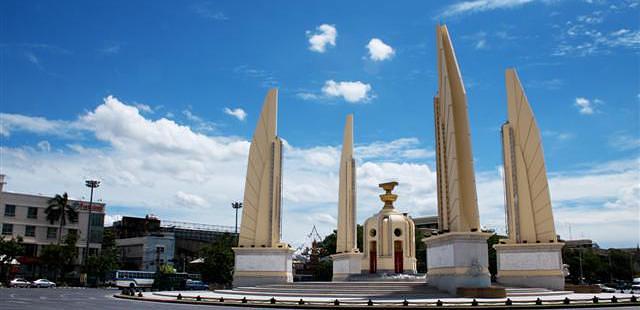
(91, 184)
(236, 205)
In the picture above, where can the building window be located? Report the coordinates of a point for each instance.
(52, 232)
(9, 210)
(32, 213)
(372, 233)
(29, 231)
(7, 229)
(397, 232)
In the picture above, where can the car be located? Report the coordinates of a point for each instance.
(43, 283)
(195, 285)
(19, 282)
(606, 289)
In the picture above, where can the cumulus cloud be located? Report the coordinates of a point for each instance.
(40, 125)
(379, 51)
(160, 166)
(144, 107)
(587, 106)
(44, 146)
(190, 200)
(353, 92)
(324, 35)
(238, 113)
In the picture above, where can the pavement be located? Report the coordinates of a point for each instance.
(80, 298)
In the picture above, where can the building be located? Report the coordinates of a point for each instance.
(428, 225)
(389, 238)
(24, 215)
(146, 253)
(144, 243)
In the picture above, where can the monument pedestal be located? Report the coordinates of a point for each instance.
(458, 260)
(256, 266)
(530, 265)
(345, 265)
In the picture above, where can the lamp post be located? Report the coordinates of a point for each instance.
(91, 184)
(236, 205)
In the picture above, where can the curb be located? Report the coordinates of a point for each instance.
(330, 305)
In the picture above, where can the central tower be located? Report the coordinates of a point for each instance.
(458, 256)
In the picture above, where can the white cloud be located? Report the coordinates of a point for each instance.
(585, 36)
(238, 113)
(353, 92)
(162, 167)
(34, 124)
(476, 6)
(623, 141)
(587, 106)
(187, 200)
(379, 51)
(324, 35)
(144, 108)
(44, 146)
(110, 218)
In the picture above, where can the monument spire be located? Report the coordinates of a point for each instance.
(457, 198)
(262, 193)
(529, 214)
(346, 239)
(261, 257)
(532, 255)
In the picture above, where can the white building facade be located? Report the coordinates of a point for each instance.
(24, 215)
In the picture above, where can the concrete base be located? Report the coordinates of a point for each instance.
(346, 265)
(257, 266)
(530, 265)
(458, 260)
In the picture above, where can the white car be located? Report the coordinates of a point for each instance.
(606, 289)
(43, 283)
(18, 282)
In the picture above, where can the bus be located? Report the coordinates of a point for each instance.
(145, 279)
(133, 278)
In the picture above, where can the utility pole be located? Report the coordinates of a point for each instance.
(91, 184)
(581, 275)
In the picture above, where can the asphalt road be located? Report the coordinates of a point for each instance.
(79, 298)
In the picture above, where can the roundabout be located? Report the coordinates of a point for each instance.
(388, 295)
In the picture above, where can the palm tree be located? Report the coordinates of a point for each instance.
(59, 210)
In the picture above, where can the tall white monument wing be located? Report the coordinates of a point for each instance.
(529, 214)
(457, 199)
(262, 194)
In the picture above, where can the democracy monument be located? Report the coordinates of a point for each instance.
(457, 255)
(383, 274)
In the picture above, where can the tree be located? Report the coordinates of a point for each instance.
(10, 249)
(60, 259)
(493, 258)
(99, 266)
(60, 210)
(218, 260)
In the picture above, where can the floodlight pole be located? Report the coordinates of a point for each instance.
(91, 184)
(236, 205)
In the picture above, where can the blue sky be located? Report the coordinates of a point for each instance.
(172, 68)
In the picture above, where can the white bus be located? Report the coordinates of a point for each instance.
(133, 278)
